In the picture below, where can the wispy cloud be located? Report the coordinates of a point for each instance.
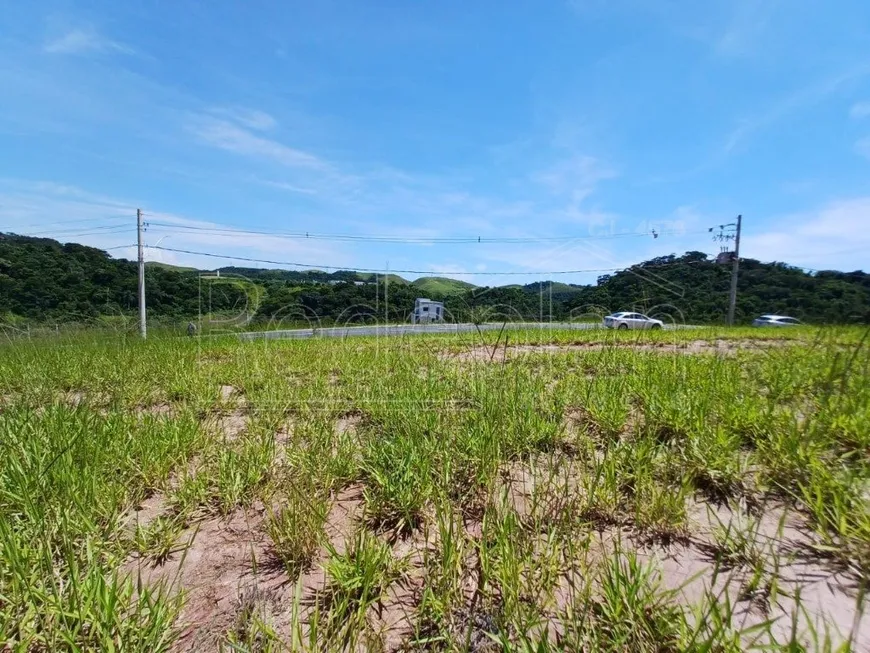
(19, 208)
(835, 236)
(226, 135)
(81, 41)
(180, 232)
(370, 192)
(436, 207)
(575, 177)
(29, 208)
(354, 194)
(251, 118)
(804, 97)
(745, 29)
(25, 204)
(450, 270)
(283, 185)
(860, 110)
(575, 254)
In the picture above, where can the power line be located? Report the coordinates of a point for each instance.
(116, 218)
(310, 266)
(306, 235)
(77, 231)
(125, 230)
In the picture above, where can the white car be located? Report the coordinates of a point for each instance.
(775, 321)
(626, 320)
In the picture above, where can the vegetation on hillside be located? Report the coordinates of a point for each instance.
(169, 266)
(43, 280)
(441, 286)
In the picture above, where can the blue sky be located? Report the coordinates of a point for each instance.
(434, 120)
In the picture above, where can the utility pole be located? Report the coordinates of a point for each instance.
(142, 327)
(728, 232)
(387, 296)
(735, 264)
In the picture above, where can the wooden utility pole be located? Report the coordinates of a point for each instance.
(735, 264)
(142, 324)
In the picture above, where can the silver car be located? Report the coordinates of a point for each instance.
(627, 320)
(775, 321)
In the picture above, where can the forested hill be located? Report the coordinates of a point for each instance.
(42, 280)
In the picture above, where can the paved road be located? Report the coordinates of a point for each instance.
(411, 329)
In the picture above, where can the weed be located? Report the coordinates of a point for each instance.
(157, 539)
(357, 580)
(398, 474)
(296, 530)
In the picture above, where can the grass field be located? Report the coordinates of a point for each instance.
(689, 490)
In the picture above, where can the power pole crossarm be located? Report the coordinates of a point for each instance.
(142, 324)
(735, 264)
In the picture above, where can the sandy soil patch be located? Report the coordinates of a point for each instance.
(539, 490)
(542, 489)
(228, 393)
(393, 618)
(501, 354)
(146, 512)
(349, 423)
(689, 569)
(161, 409)
(228, 425)
(226, 568)
(221, 564)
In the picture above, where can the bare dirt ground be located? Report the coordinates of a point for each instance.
(688, 565)
(221, 564)
(501, 353)
(226, 569)
(231, 418)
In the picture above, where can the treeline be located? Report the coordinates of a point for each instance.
(696, 288)
(42, 280)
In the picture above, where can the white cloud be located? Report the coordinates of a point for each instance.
(862, 147)
(382, 195)
(575, 254)
(804, 97)
(432, 205)
(33, 208)
(226, 135)
(251, 118)
(860, 110)
(283, 185)
(836, 236)
(575, 177)
(80, 41)
(449, 270)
